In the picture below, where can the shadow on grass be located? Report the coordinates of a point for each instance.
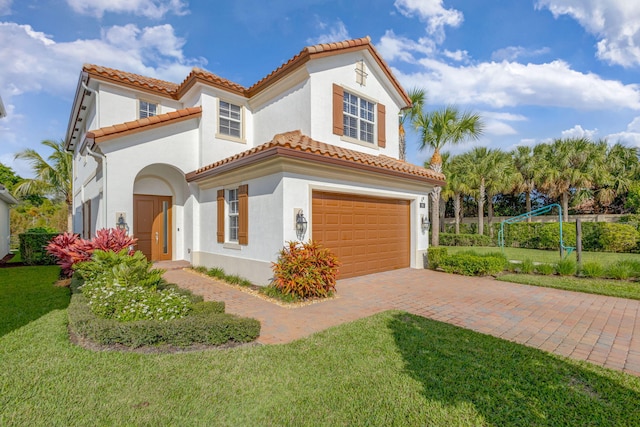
(510, 384)
(27, 293)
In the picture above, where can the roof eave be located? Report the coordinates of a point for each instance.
(289, 153)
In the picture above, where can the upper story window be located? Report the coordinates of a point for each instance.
(230, 120)
(147, 109)
(358, 117)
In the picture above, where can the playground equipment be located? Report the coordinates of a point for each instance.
(536, 212)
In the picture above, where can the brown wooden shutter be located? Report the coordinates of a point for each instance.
(243, 214)
(220, 216)
(382, 127)
(338, 99)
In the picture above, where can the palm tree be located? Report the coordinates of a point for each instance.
(482, 167)
(437, 129)
(456, 187)
(501, 180)
(564, 168)
(524, 163)
(417, 97)
(52, 176)
(617, 166)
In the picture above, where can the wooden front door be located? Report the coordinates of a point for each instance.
(152, 226)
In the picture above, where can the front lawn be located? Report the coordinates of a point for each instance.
(389, 369)
(608, 287)
(537, 255)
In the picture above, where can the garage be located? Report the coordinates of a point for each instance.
(368, 234)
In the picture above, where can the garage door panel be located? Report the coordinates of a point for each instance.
(367, 234)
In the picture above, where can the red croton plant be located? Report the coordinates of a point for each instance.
(70, 249)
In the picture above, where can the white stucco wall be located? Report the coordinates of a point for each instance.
(4, 228)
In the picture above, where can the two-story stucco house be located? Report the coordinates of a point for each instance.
(219, 174)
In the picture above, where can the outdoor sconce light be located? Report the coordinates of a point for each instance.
(121, 223)
(424, 222)
(301, 225)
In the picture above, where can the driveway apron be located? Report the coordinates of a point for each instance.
(602, 330)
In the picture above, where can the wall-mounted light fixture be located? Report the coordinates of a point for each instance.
(121, 221)
(425, 224)
(301, 225)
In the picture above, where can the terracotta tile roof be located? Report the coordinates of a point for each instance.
(176, 91)
(116, 131)
(296, 145)
(131, 79)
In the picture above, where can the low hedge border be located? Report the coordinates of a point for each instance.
(450, 239)
(208, 324)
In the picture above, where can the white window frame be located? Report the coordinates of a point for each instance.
(146, 111)
(359, 118)
(231, 196)
(225, 114)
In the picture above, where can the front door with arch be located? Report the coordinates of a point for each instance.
(152, 219)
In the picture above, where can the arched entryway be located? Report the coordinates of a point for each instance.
(158, 191)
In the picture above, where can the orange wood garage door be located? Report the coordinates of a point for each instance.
(368, 234)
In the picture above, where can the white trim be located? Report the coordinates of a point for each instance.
(220, 135)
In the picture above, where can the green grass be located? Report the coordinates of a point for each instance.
(535, 255)
(608, 287)
(16, 258)
(389, 369)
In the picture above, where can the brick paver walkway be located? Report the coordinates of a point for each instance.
(602, 330)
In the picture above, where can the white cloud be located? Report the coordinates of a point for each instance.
(631, 136)
(30, 56)
(458, 55)
(511, 53)
(337, 32)
(495, 122)
(578, 132)
(154, 9)
(393, 47)
(433, 13)
(5, 7)
(616, 24)
(501, 84)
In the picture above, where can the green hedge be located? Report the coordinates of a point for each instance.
(449, 239)
(435, 256)
(472, 264)
(538, 235)
(32, 248)
(206, 324)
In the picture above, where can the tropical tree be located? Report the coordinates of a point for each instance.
(447, 126)
(501, 180)
(565, 168)
(417, 97)
(456, 187)
(524, 163)
(53, 176)
(482, 166)
(617, 167)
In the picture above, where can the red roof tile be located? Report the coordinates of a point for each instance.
(296, 145)
(175, 91)
(118, 130)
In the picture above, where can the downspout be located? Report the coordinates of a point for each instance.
(103, 158)
(100, 156)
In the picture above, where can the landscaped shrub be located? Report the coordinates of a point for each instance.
(447, 239)
(618, 237)
(306, 269)
(206, 326)
(527, 266)
(435, 255)
(69, 249)
(566, 267)
(120, 267)
(32, 246)
(470, 263)
(546, 269)
(131, 303)
(537, 235)
(592, 269)
(619, 270)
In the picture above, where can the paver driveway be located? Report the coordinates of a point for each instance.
(602, 330)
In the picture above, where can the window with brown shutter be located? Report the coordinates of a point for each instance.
(243, 214)
(220, 201)
(338, 98)
(382, 137)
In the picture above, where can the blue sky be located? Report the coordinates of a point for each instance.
(535, 70)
